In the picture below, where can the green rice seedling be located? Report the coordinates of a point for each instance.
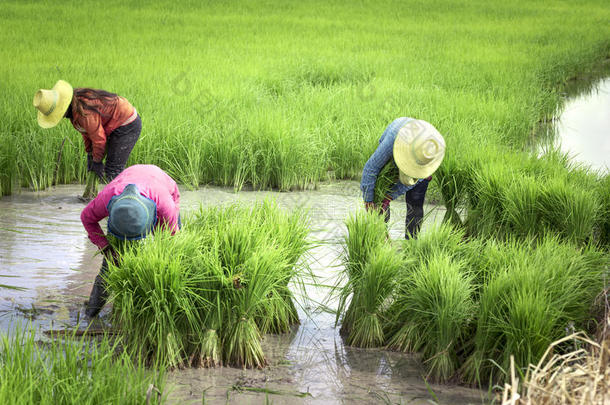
(450, 179)
(444, 238)
(213, 288)
(366, 232)
(545, 287)
(388, 176)
(317, 112)
(91, 186)
(432, 310)
(241, 231)
(603, 226)
(250, 295)
(372, 291)
(485, 218)
(520, 207)
(71, 369)
(157, 298)
(569, 212)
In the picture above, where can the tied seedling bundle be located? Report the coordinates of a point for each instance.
(386, 179)
(206, 295)
(370, 264)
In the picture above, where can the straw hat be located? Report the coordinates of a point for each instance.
(419, 150)
(131, 215)
(52, 104)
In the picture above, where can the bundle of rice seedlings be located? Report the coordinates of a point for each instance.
(546, 287)
(289, 231)
(91, 186)
(388, 176)
(577, 377)
(371, 292)
(485, 211)
(251, 295)
(242, 231)
(450, 177)
(567, 211)
(366, 233)
(432, 310)
(520, 208)
(205, 295)
(157, 297)
(443, 237)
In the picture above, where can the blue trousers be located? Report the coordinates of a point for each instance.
(415, 209)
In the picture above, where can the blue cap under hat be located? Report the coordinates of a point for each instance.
(131, 215)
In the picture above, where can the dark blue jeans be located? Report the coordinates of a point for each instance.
(415, 209)
(118, 147)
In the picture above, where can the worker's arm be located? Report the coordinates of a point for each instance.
(87, 142)
(93, 130)
(91, 216)
(379, 159)
(168, 205)
(167, 214)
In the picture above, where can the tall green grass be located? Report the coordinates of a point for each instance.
(206, 295)
(72, 370)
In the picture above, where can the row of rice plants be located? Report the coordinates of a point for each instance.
(73, 370)
(206, 295)
(508, 195)
(466, 304)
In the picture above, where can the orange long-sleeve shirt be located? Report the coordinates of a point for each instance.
(95, 127)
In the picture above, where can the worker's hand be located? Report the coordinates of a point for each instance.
(98, 168)
(111, 255)
(89, 162)
(385, 205)
(370, 206)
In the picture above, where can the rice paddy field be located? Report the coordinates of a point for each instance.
(280, 288)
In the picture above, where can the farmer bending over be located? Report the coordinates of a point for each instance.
(139, 200)
(414, 149)
(108, 123)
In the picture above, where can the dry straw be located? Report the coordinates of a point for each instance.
(578, 377)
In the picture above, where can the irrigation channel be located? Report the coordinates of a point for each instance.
(583, 128)
(42, 243)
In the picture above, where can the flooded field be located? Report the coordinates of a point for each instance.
(582, 130)
(46, 256)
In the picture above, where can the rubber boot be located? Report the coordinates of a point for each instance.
(99, 295)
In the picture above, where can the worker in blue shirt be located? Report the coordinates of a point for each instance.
(417, 149)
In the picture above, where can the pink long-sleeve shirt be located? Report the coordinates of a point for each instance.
(152, 182)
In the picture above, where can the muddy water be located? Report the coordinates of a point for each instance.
(44, 250)
(583, 127)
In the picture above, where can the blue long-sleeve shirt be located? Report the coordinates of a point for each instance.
(379, 158)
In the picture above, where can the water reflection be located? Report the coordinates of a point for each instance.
(582, 130)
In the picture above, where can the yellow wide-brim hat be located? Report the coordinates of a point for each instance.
(53, 104)
(419, 150)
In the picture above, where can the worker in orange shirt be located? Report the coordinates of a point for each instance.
(109, 124)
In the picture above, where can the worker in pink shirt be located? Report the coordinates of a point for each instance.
(139, 200)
